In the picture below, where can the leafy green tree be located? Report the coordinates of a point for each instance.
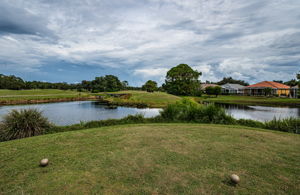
(209, 90)
(217, 90)
(213, 90)
(11, 82)
(182, 80)
(150, 86)
(108, 83)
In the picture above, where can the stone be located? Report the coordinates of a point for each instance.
(234, 178)
(44, 162)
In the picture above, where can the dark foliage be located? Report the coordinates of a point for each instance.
(150, 86)
(213, 90)
(232, 81)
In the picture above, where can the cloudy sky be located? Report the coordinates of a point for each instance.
(137, 40)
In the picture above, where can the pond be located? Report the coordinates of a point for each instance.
(67, 113)
(260, 113)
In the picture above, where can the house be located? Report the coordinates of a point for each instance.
(277, 89)
(229, 88)
(294, 92)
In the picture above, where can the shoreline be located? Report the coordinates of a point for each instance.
(271, 104)
(42, 101)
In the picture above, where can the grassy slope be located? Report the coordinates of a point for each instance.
(155, 99)
(153, 159)
(38, 94)
(249, 100)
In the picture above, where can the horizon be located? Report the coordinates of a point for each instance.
(71, 41)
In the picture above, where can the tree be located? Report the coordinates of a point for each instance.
(292, 82)
(124, 84)
(107, 83)
(233, 81)
(267, 91)
(150, 86)
(213, 90)
(217, 90)
(11, 82)
(182, 80)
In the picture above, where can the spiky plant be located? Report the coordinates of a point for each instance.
(23, 123)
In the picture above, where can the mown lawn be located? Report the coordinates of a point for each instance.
(155, 99)
(6, 92)
(153, 159)
(19, 96)
(234, 99)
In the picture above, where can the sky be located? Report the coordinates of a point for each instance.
(138, 40)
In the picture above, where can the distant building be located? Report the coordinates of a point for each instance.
(294, 91)
(260, 89)
(229, 88)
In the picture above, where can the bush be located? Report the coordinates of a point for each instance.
(291, 125)
(190, 111)
(214, 114)
(23, 123)
(250, 123)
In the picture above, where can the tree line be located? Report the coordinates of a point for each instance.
(99, 84)
(179, 80)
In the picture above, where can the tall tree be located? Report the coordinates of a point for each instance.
(182, 80)
(150, 86)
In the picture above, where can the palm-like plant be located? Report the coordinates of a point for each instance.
(23, 123)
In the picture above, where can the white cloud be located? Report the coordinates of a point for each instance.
(151, 72)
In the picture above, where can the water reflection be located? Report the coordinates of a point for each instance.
(260, 113)
(66, 113)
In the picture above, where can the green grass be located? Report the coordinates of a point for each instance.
(233, 99)
(155, 99)
(153, 159)
(19, 96)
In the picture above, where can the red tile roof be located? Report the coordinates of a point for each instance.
(270, 84)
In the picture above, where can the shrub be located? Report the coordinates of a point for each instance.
(291, 125)
(190, 111)
(23, 123)
(214, 114)
(250, 123)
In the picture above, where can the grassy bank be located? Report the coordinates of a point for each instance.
(135, 98)
(153, 159)
(9, 97)
(153, 100)
(249, 100)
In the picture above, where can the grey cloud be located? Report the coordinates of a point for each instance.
(19, 21)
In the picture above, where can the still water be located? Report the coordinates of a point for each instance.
(66, 113)
(260, 113)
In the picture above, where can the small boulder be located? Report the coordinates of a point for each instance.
(234, 178)
(44, 162)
